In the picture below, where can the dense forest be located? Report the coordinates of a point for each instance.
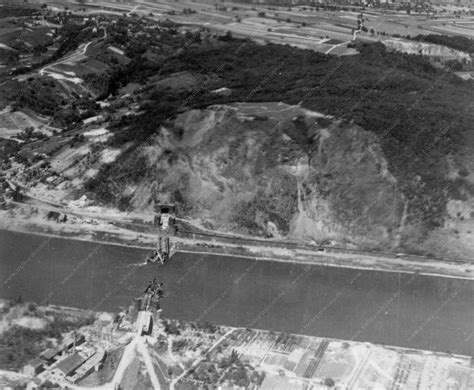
(18, 11)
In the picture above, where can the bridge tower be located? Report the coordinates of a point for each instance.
(165, 222)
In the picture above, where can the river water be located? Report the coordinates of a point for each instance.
(390, 308)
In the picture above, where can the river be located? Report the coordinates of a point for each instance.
(391, 308)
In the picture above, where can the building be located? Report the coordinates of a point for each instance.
(67, 367)
(166, 218)
(93, 363)
(51, 355)
(33, 367)
(72, 340)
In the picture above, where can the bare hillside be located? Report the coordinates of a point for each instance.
(272, 170)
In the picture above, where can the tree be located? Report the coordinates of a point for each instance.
(329, 382)
(234, 357)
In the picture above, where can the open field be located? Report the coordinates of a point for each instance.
(302, 27)
(280, 111)
(314, 38)
(453, 30)
(298, 26)
(14, 122)
(292, 361)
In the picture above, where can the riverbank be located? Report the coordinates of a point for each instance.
(82, 230)
(95, 230)
(122, 237)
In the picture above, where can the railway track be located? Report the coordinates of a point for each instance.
(302, 246)
(219, 238)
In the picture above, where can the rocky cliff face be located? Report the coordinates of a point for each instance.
(274, 171)
(455, 238)
(427, 49)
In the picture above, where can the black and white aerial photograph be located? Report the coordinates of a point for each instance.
(237, 194)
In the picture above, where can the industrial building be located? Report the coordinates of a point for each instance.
(65, 362)
(93, 363)
(51, 355)
(67, 367)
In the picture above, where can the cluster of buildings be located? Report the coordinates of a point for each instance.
(71, 361)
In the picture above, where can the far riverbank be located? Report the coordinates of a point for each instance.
(104, 233)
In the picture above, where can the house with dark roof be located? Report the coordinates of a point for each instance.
(51, 354)
(68, 366)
